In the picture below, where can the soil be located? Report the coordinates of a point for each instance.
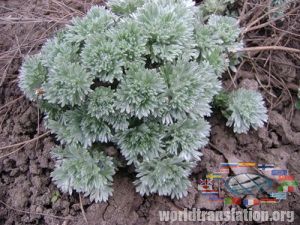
(27, 195)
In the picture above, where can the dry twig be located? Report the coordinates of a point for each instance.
(265, 48)
(33, 213)
(25, 142)
(82, 210)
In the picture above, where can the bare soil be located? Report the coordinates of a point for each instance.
(27, 195)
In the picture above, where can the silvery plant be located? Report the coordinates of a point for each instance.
(139, 75)
(246, 109)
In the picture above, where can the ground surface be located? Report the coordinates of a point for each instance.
(27, 194)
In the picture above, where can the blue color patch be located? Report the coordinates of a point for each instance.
(279, 195)
(279, 172)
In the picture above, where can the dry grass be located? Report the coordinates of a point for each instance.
(272, 52)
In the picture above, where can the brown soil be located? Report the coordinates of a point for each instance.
(27, 195)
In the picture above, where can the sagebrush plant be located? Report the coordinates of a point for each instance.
(215, 6)
(140, 75)
(247, 110)
(243, 109)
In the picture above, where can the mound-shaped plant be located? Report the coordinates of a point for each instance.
(246, 109)
(243, 109)
(140, 76)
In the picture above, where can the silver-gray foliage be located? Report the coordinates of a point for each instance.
(140, 75)
(246, 109)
